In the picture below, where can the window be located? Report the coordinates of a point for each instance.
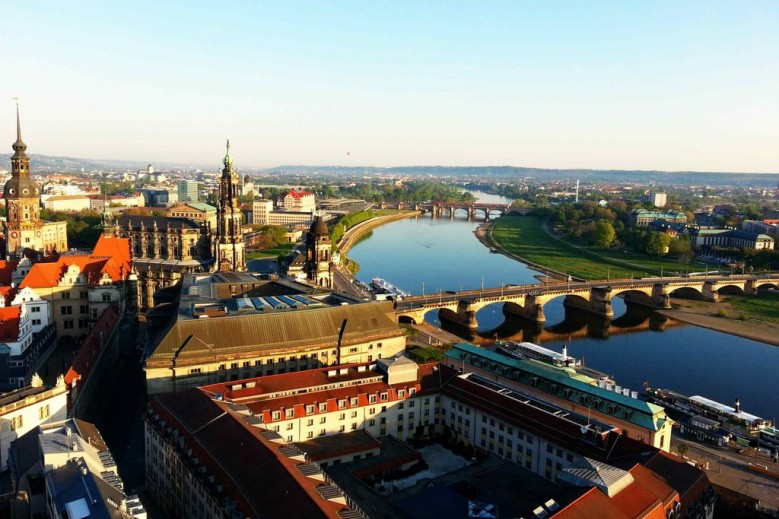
(342, 416)
(372, 399)
(322, 432)
(35, 308)
(43, 412)
(194, 371)
(323, 419)
(16, 422)
(310, 434)
(342, 428)
(66, 310)
(106, 298)
(322, 407)
(341, 404)
(83, 295)
(290, 426)
(310, 422)
(289, 413)
(354, 426)
(275, 415)
(65, 295)
(353, 401)
(36, 322)
(309, 409)
(67, 325)
(354, 414)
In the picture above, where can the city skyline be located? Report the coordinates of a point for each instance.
(601, 86)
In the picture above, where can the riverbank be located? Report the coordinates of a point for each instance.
(484, 234)
(353, 235)
(723, 317)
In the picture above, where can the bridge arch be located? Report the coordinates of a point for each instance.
(686, 292)
(460, 212)
(735, 290)
(766, 286)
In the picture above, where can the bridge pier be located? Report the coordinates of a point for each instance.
(709, 293)
(465, 315)
(532, 310)
(599, 303)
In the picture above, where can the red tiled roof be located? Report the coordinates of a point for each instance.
(111, 256)
(89, 351)
(261, 480)
(116, 248)
(9, 323)
(294, 193)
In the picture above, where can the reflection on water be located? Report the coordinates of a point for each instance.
(634, 347)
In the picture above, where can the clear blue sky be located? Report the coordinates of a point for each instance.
(652, 85)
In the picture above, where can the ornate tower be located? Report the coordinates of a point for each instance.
(228, 246)
(23, 227)
(318, 267)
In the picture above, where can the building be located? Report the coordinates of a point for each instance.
(67, 203)
(99, 203)
(194, 470)
(594, 465)
(261, 211)
(231, 325)
(229, 251)
(658, 199)
(93, 362)
(155, 197)
(642, 217)
(767, 227)
(299, 201)
(80, 286)
(164, 249)
(23, 227)
(64, 470)
(247, 188)
(705, 239)
(199, 212)
(188, 191)
(318, 266)
(613, 405)
(24, 409)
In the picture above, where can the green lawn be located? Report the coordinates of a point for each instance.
(525, 237)
(764, 307)
(283, 248)
(430, 354)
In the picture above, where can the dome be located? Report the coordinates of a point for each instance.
(319, 227)
(21, 187)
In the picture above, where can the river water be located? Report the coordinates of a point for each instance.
(430, 255)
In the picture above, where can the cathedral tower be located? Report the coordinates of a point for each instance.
(229, 250)
(318, 267)
(23, 226)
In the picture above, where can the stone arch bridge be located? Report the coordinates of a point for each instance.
(450, 209)
(595, 297)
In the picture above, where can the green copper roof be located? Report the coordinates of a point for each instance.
(200, 206)
(646, 414)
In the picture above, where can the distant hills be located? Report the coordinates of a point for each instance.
(47, 164)
(767, 180)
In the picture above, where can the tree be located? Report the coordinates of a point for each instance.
(604, 234)
(658, 244)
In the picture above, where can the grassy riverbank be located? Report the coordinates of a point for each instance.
(524, 237)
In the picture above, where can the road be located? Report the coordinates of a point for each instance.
(728, 469)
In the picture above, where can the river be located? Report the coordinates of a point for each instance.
(429, 255)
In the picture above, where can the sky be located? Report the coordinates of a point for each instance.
(662, 85)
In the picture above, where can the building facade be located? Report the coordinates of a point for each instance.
(188, 191)
(164, 249)
(299, 201)
(642, 217)
(24, 409)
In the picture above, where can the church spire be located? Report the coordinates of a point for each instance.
(19, 146)
(228, 160)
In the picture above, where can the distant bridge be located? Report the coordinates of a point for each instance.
(450, 209)
(594, 296)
